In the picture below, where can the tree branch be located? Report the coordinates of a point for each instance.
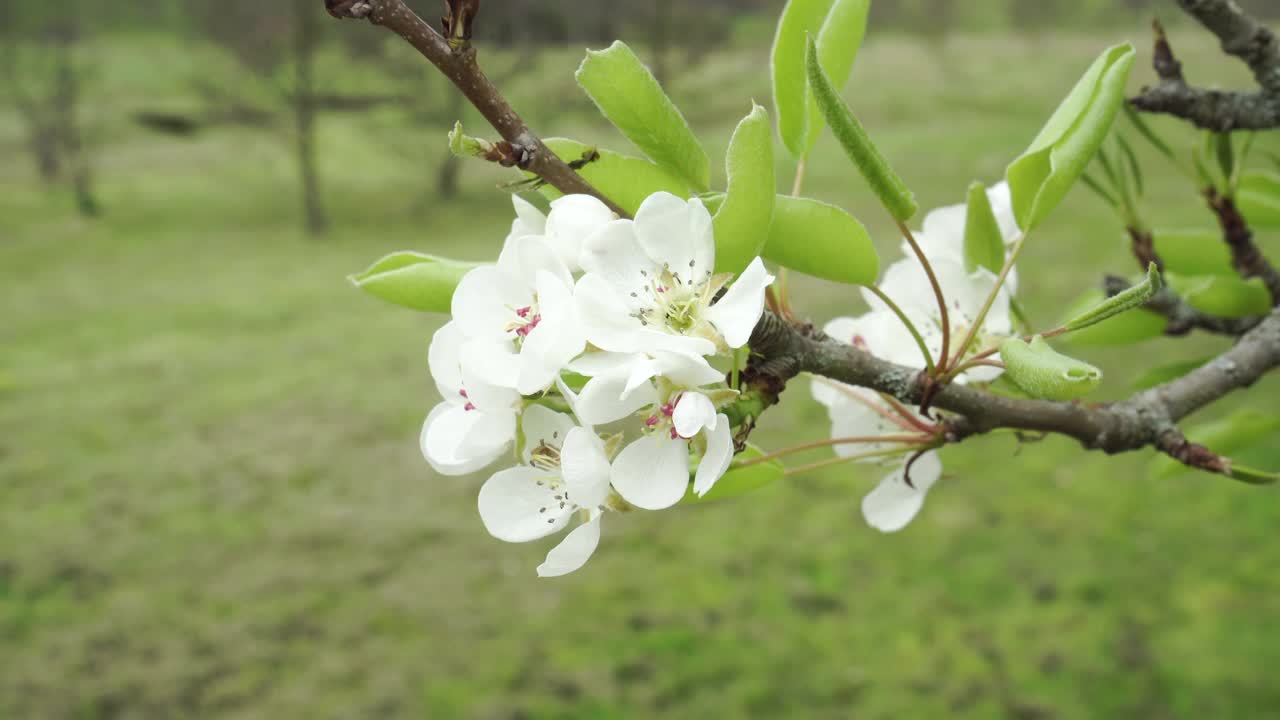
(457, 60)
(1241, 36)
(1146, 419)
(1246, 257)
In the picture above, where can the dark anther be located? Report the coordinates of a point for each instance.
(459, 16)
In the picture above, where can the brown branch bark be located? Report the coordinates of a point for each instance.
(1246, 257)
(457, 60)
(1241, 36)
(1146, 419)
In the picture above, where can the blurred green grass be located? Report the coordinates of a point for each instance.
(213, 503)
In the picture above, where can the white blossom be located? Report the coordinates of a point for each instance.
(476, 422)
(564, 473)
(649, 285)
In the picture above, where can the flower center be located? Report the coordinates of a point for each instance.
(545, 457)
(470, 405)
(526, 319)
(674, 303)
(662, 419)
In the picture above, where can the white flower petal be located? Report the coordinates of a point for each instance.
(854, 414)
(483, 301)
(693, 412)
(529, 219)
(606, 320)
(614, 254)
(736, 314)
(556, 339)
(598, 363)
(574, 551)
(678, 234)
(573, 219)
(489, 435)
(489, 373)
(604, 399)
(543, 426)
(442, 441)
(524, 258)
(652, 473)
(686, 369)
(715, 461)
(893, 503)
(443, 359)
(515, 508)
(585, 467)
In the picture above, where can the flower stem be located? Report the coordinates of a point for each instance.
(902, 439)
(848, 459)
(1027, 338)
(991, 300)
(911, 327)
(937, 293)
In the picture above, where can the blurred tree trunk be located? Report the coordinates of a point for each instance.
(450, 167)
(69, 134)
(304, 110)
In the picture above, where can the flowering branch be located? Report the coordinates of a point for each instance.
(456, 58)
(1241, 36)
(1146, 419)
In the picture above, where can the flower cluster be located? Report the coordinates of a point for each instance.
(587, 349)
(857, 412)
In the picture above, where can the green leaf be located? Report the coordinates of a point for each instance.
(740, 481)
(1041, 177)
(1249, 475)
(799, 20)
(631, 98)
(1045, 373)
(465, 146)
(625, 180)
(821, 240)
(1099, 190)
(742, 222)
(983, 241)
(1230, 435)
(1166, 373)
(1194, 252)
(1226, 153)
(1135, 297)
(1126, 329)
(838, 43)
(413, 280)
(1258, 198)
(885, 183)
(1223, 296)
(1131, 158)
(1145, 130)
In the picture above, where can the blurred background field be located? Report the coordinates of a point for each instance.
(212, 502)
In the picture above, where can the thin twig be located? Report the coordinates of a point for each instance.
(943, 315)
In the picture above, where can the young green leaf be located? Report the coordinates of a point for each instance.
(1145, 131)
(741, 480)
(821, 240)
(799, 20)
(1041, 177)
(1226, 153)
(1135, 297)
(1258, 197)
(1224, 296)
(983, 241)
(885, 183)
(465, 146)
(742, 221)
(1252, 476)
(631, 98)
(1162, 374)
(413, 280)
(1135, 169)
(1091, 183)
(1045, 373)
(625, 180)
(1194, 252)
(838, 43)
(1125, 329)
